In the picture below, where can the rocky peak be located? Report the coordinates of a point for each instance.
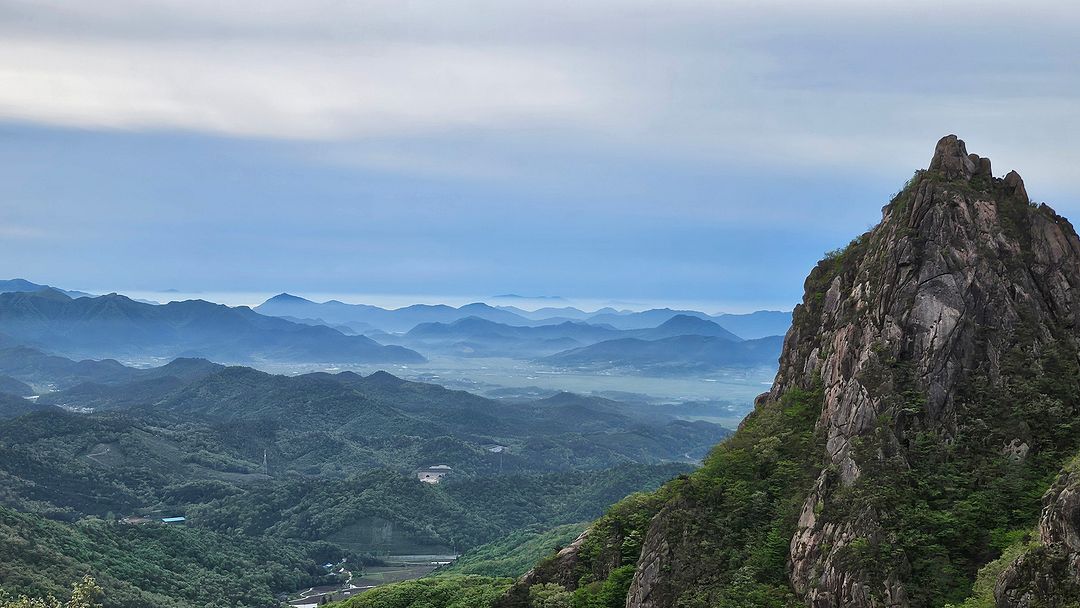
(951, 160)
(931, 368)
(1014, 186)
(961, 272)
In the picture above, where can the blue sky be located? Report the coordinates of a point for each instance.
(631, 151)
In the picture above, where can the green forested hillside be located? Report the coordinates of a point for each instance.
(457, 513)
(437, 592)
(515, 553)
(154, 565)
(276, 474)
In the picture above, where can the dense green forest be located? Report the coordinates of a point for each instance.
(277, 475)
(458, 514)
(156, 565)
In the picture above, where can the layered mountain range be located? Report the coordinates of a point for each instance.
(682, 344)
(364, 317)
(118, 327)
(113, 326)
(928, 393)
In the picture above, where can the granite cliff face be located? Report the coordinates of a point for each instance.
(927, 387)
(957, 267)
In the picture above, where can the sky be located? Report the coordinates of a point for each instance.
(603, 151)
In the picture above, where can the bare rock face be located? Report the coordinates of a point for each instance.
(961, 274)
(651, 588)
(562, 566)
(952, 160)
(934, 287)
(1014, 186)
(941, 283)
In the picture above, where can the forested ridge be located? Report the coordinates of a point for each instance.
(276, 476)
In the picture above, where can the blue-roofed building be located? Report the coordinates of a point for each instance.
(173, 520)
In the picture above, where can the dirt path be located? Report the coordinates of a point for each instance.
(95, 455)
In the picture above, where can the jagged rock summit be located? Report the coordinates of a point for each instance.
(961, 274)
(928, 387)
(952, 160)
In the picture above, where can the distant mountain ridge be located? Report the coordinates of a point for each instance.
(473, 336)
(115, 326)
(688, 325)
(391, 320)
(22, 285)
(363, 317)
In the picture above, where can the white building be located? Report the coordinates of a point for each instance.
(433, 474)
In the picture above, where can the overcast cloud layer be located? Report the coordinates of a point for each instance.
(679, 150)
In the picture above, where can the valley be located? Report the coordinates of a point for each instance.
(321, 461)
(724, 395)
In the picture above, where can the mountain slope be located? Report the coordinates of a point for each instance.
(13, 386)
(12, 406)
(152, 565)
(116, 326)
(927, 389)
(380, 406)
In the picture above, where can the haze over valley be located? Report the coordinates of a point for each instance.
(253, 421)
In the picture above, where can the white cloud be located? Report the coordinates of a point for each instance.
(799, 84)
(318, 91)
